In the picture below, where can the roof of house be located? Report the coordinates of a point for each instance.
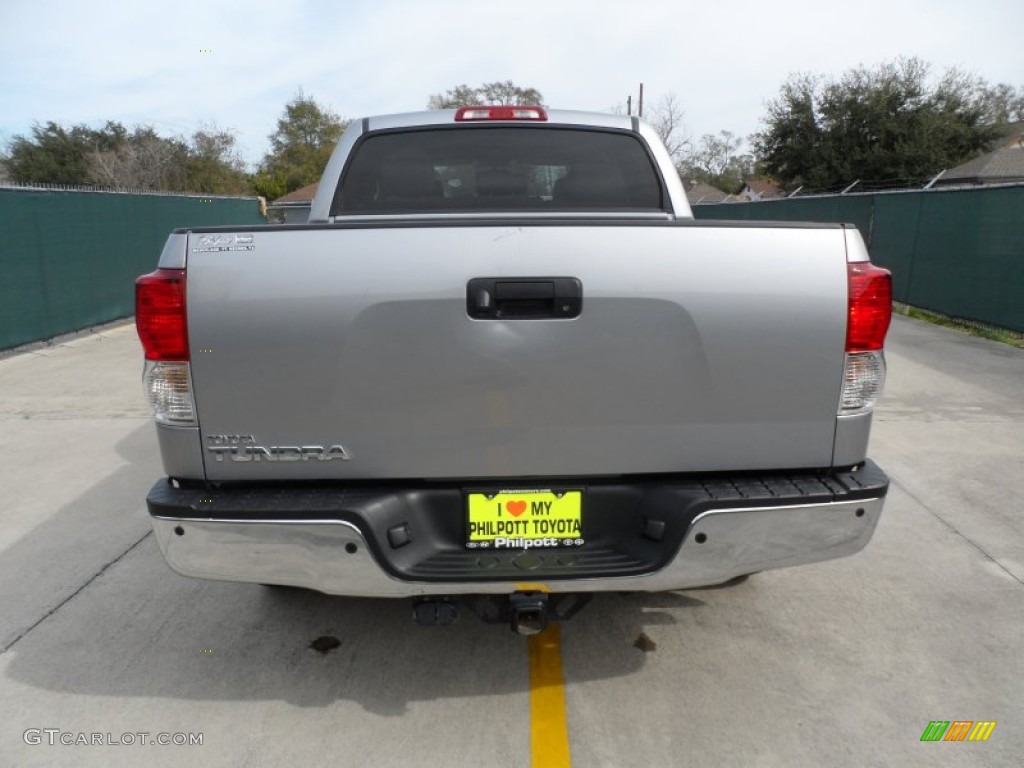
(764, 188)
(700, 192)
(1006, 164)
(302, 195)
(1012, 134)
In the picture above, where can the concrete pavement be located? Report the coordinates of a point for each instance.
(841, 663)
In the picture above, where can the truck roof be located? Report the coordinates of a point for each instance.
(447, 116)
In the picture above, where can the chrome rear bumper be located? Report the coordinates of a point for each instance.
(334, 557)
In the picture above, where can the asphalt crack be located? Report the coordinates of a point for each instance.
(73, 595)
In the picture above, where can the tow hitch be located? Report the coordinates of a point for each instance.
(529, 612)
(526, 613)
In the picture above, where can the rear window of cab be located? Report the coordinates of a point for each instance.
(480, 168)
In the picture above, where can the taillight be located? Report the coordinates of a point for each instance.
(869, 308)
(160, 320)
(869, 312)
(466, 114)
(160, 314)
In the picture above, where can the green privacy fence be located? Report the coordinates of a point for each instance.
(68, 260)
(958, 252)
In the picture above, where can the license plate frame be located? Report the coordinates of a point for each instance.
(524, 519)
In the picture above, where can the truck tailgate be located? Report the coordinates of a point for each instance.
(697, 348)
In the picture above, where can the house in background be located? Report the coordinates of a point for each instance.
(293, 208)
(756, 189)
(1003, 165)
(697, 192)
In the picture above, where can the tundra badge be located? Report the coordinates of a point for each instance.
(244, 448)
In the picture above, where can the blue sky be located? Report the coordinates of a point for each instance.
(143, 63)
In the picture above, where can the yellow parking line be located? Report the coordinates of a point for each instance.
(549, 730)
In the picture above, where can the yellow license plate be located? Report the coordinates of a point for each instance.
(524, 519)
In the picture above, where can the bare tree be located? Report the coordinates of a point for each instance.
(500, 92)
(459, 96)
(209, 162)
(666, 118)
(714, 154)
(507, 92)
(143, 160)
(1002, 103)
(715, 159)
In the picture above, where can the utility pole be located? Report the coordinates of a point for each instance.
(629, 104)
(640, 107)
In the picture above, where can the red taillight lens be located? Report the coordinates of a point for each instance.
(467, 114)
(870, 306)
(160, 314)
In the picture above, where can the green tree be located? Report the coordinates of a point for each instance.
(300, 147)
(887, 122)
(213, 165)
(113, 156)
(503, 92)
(57, 155)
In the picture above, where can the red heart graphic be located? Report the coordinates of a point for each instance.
(515, 508)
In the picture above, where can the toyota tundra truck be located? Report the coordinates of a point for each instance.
(502, 366)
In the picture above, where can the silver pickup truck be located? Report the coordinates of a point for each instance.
(503, 367)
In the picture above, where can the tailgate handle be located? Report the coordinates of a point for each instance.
(524, 298)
